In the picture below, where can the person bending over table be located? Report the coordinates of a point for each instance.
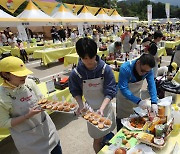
(114, 49)
(131, 77)
(94, 80)
(31, 128)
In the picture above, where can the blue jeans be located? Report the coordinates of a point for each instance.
(57, 149)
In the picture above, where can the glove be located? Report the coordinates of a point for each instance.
(154, 108)
(144, 104)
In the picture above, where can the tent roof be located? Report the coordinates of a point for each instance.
(103, 16)
(65, 15)
(4, 17)
(74, 8)
(46, 6)
(93, 10)
(115, 15)
(86, 15)
(32, 13)
(108, 11)
(11, 5)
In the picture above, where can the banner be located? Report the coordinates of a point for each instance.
(22, 33)
(167, 10)
(149, 14)
(11, 5)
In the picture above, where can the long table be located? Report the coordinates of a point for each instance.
(51, 54)
(16, 52)
(172, 44)
(166, 150)
(42, 86)
(73, 58)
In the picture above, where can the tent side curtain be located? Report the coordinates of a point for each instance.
(11, 5)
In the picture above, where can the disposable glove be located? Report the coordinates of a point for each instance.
(144, 104)
(154, 108)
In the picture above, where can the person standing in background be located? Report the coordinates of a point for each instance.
(153, 50)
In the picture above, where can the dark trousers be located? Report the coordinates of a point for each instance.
(57, 149)
(24, 55)
(119, 124)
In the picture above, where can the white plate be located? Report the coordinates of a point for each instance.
(144, 149)
(126, 123)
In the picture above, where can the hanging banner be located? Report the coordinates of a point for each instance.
(167, 11)
(11, 5)
(149, 14)
(22, 33)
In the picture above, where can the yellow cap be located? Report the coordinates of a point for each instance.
(174, 65)
(74, 29)
(94, 30)
(61, 26)
(10, 33)
(14, 66)
(127, 28)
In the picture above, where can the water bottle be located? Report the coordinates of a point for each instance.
(176, 115)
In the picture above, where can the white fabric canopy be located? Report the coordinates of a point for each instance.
(33, 14)
(65, 15)
(117, 18)
(102, 16)
(8, 20)
(86, 16)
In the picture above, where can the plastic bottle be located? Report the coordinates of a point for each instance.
(176, 115)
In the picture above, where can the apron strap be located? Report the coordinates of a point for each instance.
(103, 69)
(78, 73)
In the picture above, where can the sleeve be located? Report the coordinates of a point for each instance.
(123, 85)
(109, 83)
(75, 84)
(111, 49)
(5, 120)
(152, 87)
(153, 49)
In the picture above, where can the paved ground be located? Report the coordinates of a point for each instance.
(72, 130)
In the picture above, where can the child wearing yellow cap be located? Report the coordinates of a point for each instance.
(31, 128)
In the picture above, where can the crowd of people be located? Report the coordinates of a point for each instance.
(32, 129)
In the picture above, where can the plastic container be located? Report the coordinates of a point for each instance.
(176, 116)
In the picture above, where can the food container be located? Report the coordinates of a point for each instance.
(159, 130)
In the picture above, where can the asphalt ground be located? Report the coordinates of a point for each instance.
(72, 129)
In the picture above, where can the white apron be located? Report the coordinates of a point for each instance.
(155, 68)
(124, 107)
(126, 45)
(36, 135)
(93, 93)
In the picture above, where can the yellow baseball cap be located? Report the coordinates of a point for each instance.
(127, 28)
(14, 66)
(174, 65)
(94, 30)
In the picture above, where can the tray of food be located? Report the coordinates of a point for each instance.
(102, 123)
(55, 106)
(134, 123)
(156, 134)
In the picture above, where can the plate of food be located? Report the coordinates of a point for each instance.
(102, 123)
(141, 149)
(134, 123)
(56, 106)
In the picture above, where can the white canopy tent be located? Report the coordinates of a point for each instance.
(32, 16)
(86, 16)
(64, 15)
(8, 20)
(117, 18)
(103, 17)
